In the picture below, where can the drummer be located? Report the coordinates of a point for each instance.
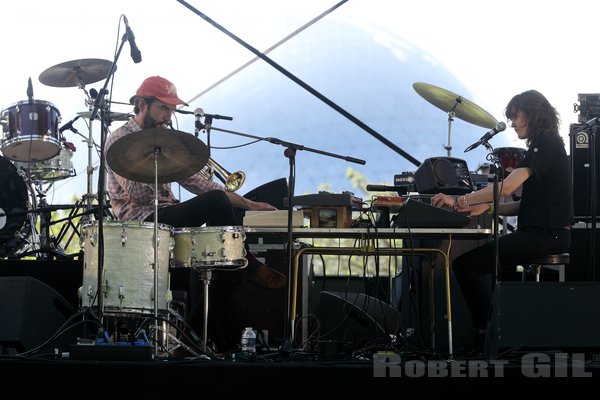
(154, 103)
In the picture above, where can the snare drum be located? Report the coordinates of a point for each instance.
(31, 132)
(54, 169)
(212, 247)
(509, 158)
(128, 273)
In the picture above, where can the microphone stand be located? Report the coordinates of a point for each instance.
(593, 199)
(101, 104)
(495, 217)
(290, 153)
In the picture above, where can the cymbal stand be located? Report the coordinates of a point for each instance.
(46, 242)
(156, 265)
(451, 115)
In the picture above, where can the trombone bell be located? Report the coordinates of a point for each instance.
(232, 181)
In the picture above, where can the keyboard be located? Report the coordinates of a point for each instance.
(419, 213)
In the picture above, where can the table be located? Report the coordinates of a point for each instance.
(366, 238)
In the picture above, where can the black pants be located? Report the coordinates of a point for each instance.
(212, 208)
(513, 249)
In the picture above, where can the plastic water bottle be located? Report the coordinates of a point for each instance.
(249, 340)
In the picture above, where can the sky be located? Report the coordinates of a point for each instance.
(495, 49)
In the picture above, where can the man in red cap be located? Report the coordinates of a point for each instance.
(154, 103)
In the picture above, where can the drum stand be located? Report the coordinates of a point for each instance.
(205, 276)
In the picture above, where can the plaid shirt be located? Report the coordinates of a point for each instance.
(132, 200)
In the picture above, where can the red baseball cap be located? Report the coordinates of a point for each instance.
(161, 88)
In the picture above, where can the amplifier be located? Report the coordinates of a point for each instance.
(581, 171)
(446, 175)
(589, 106)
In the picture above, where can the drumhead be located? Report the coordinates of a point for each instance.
(13, 203)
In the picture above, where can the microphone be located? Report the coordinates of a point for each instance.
(69, 125)
(500, 126)
(30, 91)
(198, 113)
(136, 54)
(385, 188)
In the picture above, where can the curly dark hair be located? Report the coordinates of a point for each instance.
(542, 117)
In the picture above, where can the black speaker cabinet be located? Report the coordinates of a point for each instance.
(544, 315)
(446, 175)
(356, 318)
(30, 313)
(581, 160)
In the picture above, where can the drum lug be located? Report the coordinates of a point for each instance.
(208, 253)
(123, 238)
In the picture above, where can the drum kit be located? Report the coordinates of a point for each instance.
(137, 256)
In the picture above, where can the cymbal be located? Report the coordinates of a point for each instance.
(113, 116)
(76, 72)
(180, 155)
(448, 101)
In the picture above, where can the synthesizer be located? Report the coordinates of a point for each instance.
(420, 213)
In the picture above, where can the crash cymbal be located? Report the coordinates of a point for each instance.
(76, 72)
(448, 101)
(113, 116)
(181, 155)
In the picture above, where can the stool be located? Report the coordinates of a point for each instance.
(555, 262)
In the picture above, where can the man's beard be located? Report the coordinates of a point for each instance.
(149, 122)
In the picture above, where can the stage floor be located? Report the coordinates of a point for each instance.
(295, 376)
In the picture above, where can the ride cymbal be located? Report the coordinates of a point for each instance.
(76, 72)
(448, 101)
(180, 155)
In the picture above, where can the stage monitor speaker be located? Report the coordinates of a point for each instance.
(581, 172)
(446, 175)
(544, 315)
(30, 313)
(356, 318)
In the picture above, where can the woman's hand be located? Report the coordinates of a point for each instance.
(475, 210)
(441, 200)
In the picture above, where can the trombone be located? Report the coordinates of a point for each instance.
(232, 181)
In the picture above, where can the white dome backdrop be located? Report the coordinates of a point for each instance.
(364, 70)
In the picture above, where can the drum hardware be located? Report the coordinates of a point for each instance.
(179, 155)
(83, 215)
(207, 249)
(456, 106)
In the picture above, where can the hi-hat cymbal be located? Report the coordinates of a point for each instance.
(113, 116)
(448, 101)
(76, 72)
(180, 155)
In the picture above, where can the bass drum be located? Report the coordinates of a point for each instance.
(13, 208)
